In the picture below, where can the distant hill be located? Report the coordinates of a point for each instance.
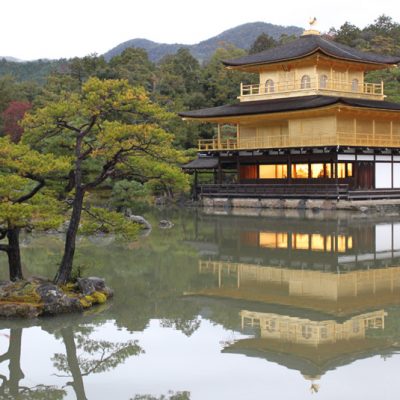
(241, 36)
(30, 70)
(13, 59)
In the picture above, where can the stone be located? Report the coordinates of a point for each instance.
(17, 310)
(246, 203)
(207, 202)
(165, 224)
(38, 296)
(314, 204)
(90, 285)
(329, 205)
(55, 301)
(344, 205)
(271, 203)
(294, 203)
(140, 220)
(222, 202)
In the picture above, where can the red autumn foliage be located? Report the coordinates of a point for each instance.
(11, 117)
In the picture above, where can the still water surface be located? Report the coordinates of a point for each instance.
(284, 306)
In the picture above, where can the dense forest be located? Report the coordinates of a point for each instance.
(177, 81)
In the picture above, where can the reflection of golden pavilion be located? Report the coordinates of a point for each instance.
(309, 332)
(337, 293)
(280, 305)
(312, 297)
(305, 241)
(311, 346)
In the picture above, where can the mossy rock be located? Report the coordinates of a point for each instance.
(21, 292)
(33, 298)
(92, 299)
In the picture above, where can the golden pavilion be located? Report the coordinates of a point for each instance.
(312, 126)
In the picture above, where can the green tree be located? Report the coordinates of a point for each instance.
(81, 69)
(24, 200)
(391, 81)
(263, 42)
(347, 34)
(178, 76)
(284, 38)
(383, 36)
(178, 87)
(129, 194)
(220, 84)
(112, 131)
(133, 64)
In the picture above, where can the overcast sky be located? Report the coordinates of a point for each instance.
(32, 29)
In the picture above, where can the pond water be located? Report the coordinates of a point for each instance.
(281, 306)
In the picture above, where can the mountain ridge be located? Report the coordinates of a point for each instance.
(241, 36)
(11, 59)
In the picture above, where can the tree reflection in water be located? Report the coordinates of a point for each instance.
(11, 388)
(97, 356)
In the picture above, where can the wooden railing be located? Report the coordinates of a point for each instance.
(314, 140)
(315, 83)
(294, 190)
(215, 144)
(367, 139)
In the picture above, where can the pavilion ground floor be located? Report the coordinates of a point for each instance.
(334, 173)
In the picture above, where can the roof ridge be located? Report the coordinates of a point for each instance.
(307, 45)
(334, 44)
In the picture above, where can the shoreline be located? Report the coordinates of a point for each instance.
(363, 206)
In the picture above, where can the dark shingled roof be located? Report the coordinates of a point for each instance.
(202, 163)
(286, 104)
(307, 45)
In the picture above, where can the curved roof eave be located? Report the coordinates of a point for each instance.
(285, 105)
(319, 49)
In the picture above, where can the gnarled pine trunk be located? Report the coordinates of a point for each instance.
(13, 254)
(65, 269)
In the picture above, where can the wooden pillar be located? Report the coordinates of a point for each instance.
(289, 172)
(336, 175)
(219, 137)
(391, 132)
(195, 185)
(219, 173)
(355, 131)
(373, 134)
(237, 136)
(238, 169)
(355, 174)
